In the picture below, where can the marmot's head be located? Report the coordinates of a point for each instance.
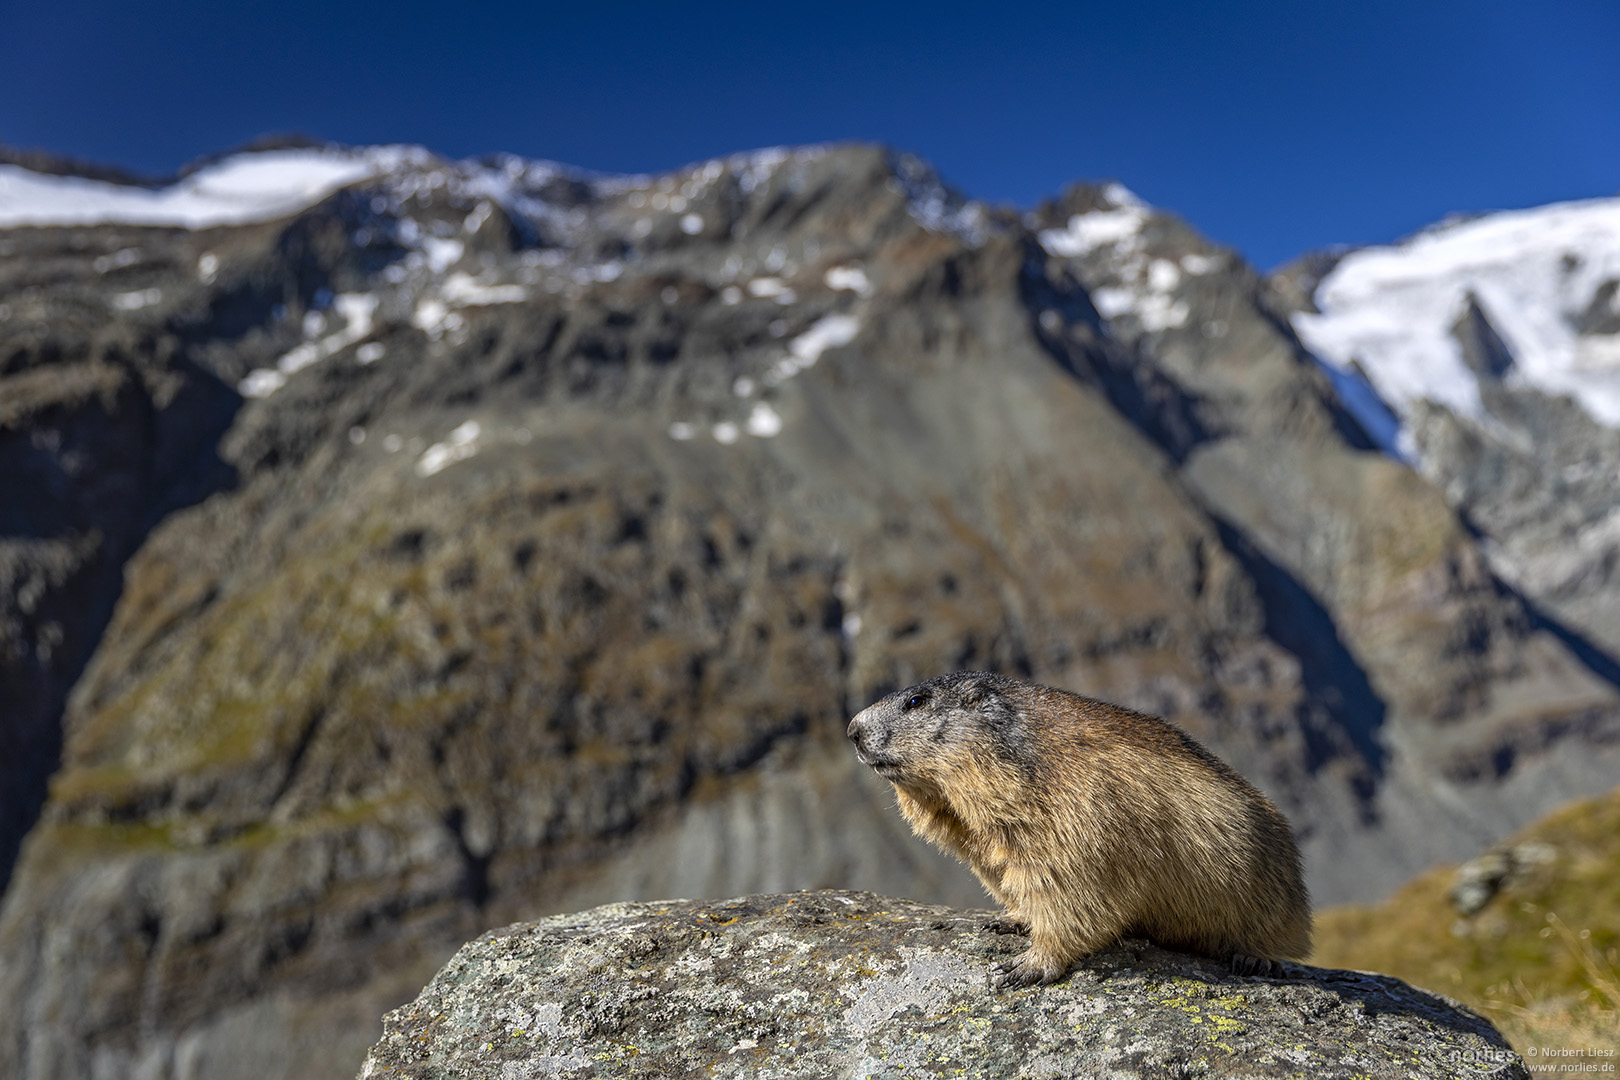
(918, 737)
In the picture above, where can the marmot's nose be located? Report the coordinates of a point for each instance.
(856, 729)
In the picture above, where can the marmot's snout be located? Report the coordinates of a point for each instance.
(873, 737)
(860, 733)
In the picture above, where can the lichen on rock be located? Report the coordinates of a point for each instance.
(848, 984)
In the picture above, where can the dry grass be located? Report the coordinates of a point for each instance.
(1588, 1019)
(1541, 960)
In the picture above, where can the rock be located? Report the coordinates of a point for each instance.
(1537, 477)
(848, 984)
(1478, 880)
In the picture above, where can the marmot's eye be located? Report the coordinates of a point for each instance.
(912, 702)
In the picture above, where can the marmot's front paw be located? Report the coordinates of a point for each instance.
(1005, 924)
(1027, 969)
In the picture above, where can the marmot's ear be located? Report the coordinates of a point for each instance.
(976, 693)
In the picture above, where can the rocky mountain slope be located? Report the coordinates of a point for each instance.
(404, 546)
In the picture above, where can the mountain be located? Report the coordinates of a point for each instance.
(1494, 346)
(405, 546)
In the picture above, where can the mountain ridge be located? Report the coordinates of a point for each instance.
(527, 538)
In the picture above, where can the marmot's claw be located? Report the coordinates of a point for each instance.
(1025, 970)
(1008, 976)
(1005, 924)
(1255, 965)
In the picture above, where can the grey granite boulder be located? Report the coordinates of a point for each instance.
(848, 984)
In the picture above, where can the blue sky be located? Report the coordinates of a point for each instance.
(1274, 127)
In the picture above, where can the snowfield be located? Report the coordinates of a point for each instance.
(242, 188)
(1537, 275)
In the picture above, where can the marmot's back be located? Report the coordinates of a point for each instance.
(1089, 822)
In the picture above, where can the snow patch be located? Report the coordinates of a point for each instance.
(242, 188)
(1163, 275)
(1099, 228)
(826, 333)
(261, 383)
(1156, 311)
(1532, 272)
(1141, 287)
(429, 315)
(1120, 195)
(480, 214)
(357, 311)
(849, 279)
(298, 358)
(134, 301)
(463, 290)
(442, 254)
(763, 422)
(1095, 229)
(1196, 264)
(767, 286)
(461, 444)
(773, 287)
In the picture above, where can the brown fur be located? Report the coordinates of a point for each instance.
(1089, 822)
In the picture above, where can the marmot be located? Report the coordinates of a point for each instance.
(1089, 822)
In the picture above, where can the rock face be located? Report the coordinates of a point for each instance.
(837, 984)
(429, 545)
(105, 427)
